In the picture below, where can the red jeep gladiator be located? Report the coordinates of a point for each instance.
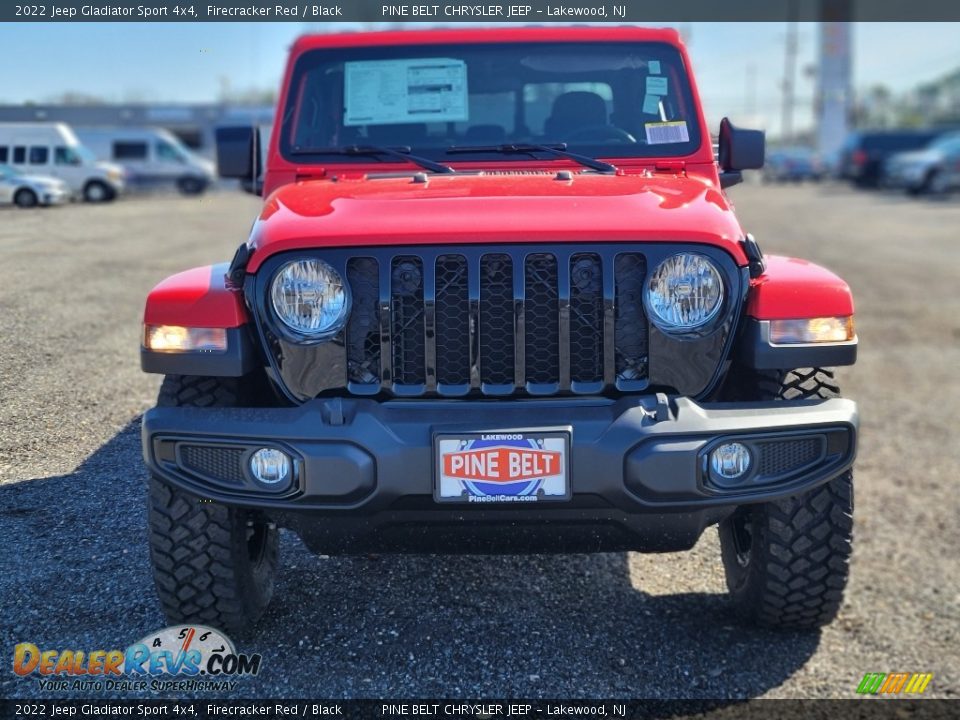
(497, 300)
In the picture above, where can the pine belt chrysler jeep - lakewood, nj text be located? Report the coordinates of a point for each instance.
(497, 300)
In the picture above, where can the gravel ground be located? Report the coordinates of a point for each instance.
(74, 569)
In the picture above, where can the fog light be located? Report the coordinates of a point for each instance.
(730, 461)
(270, 466)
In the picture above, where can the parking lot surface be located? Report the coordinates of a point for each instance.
(74, 571)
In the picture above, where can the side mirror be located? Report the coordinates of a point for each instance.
(739, 150)
(238, 153)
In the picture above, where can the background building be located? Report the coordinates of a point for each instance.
(194, 124)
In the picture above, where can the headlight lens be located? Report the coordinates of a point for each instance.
(309, 297)
(684, 293)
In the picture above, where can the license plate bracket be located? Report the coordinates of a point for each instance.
(502, 467)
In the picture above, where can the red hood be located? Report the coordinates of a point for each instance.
(460, 209)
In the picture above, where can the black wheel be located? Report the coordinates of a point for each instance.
(212, 564)
(923, 188)
(938, 184)
(25, 198)
(97, 191)
(191, 185)
(786, 562)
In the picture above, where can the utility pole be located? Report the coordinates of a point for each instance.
(834, 75)
(789, 73)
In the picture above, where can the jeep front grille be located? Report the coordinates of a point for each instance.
(504, 322)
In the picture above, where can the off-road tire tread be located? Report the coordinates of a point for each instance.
(802, 546)
(198, 548)
(193, 549)
(195, 391)
(801, 549)
(803, 384)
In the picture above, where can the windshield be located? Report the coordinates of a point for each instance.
(172, 150)
(948, 143)
(84, 153)
(601, 99)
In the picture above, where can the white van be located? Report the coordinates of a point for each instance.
(151, 157)
(53, 149)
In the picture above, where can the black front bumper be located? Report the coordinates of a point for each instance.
(364, 470)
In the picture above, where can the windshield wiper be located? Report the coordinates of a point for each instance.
(399, 152)
(560, 150)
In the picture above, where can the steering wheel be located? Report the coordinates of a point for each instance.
(601, 132)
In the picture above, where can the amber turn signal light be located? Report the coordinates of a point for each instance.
(812, 330)
(174, 338)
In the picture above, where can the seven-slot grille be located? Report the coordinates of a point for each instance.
(499, 323)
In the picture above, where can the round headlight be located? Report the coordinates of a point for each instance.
(684, 292)
(309, 297)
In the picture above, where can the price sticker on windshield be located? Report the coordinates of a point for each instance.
(661, 133)
(387, 92)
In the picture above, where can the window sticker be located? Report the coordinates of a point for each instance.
(661, 133)
(656, 85)
(651, 105)
(383, 92)
(653, 67)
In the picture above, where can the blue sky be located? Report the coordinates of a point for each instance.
(183, 62)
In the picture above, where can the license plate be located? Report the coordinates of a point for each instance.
(502, 467)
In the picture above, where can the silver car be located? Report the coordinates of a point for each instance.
(31, 190)
(934, 170)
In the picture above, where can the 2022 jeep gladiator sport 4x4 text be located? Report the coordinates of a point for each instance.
(497, 300)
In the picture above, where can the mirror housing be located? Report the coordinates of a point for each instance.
(238, 153)
(739, 150)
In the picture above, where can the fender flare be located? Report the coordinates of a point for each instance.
(794, 289)
(790, 288)
(201, 297)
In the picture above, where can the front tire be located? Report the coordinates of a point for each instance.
(96, 191)
(213, 564)
(25, 198)
(787, 562)
(191, 186)
(939, 186)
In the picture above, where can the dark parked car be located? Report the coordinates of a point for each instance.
(792, 164)
(866, 153)
(934, 170)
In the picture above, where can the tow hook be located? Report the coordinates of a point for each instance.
(662, 410)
